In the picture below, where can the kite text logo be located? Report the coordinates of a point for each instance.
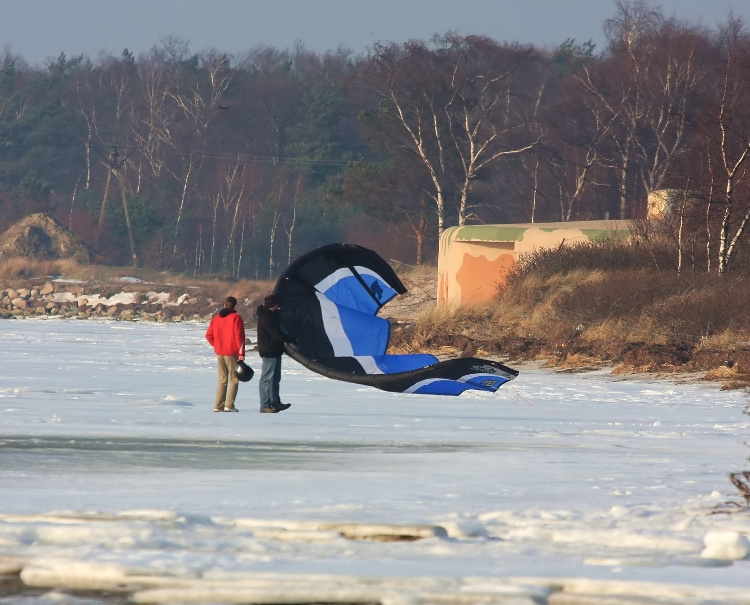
(485, 369)
(376, 289)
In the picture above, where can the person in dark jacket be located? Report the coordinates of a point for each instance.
(270, 348)
(226, 333)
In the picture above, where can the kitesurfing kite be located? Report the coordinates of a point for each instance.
(328, 304)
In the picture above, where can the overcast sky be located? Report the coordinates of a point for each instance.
(40, 29)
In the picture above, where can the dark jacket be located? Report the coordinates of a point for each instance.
(226, 333)
(270, 338)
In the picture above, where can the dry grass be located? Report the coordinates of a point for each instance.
(29, 268)
(725, 340)
(24, 268)
(638, 305)
(545, 307)
(464, 321)
(609, 254)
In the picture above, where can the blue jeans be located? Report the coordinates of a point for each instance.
(268, 385)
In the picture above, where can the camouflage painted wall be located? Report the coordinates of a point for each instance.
(473, 260)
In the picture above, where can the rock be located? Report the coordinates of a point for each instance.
(48, 288)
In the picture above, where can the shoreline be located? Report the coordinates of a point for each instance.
(125, 301)
(130, 299)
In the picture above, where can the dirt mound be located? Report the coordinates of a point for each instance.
(42, 237)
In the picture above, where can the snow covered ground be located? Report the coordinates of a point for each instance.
(116, 476)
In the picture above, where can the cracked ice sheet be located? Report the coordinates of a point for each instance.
(556, 475)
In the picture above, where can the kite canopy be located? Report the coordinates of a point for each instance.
(328, 304)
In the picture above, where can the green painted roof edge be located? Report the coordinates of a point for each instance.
(508, 233)
(489, 233)
(621, 234)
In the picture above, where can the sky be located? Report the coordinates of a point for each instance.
(115, 471)
(39, 30)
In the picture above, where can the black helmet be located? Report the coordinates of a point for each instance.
(243, 371)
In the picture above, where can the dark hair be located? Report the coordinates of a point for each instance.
(230, 302)
(270, 301)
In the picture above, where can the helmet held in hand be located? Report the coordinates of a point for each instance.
(243, 371)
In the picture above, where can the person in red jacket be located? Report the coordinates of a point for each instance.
(226, 333)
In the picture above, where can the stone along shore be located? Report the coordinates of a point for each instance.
(72, 300)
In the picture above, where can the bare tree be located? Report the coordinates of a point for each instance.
(457, 110)
(87, 107)
(727, 129)
(410, 83)
(620, 89)
(576, 134)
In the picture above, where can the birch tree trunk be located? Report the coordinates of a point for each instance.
(734, 143)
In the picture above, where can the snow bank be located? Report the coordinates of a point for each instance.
(559, 489)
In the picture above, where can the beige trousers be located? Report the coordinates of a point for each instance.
(227, 378)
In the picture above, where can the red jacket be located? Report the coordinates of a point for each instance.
(226, 333)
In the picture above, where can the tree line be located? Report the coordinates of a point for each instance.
(214, 164)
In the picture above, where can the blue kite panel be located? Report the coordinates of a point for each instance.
(368, 334)
(392, 364)
(439, 386)
(348, 292)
